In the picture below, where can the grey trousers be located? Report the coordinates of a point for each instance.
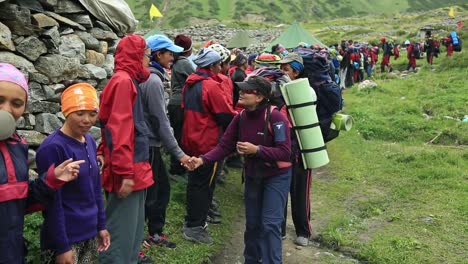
(125, 223)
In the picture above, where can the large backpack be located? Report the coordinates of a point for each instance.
(417, 50)
(458, 47)
(329, 97)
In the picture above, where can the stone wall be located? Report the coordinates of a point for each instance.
(53, 41)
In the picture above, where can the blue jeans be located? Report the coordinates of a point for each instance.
(265, 201)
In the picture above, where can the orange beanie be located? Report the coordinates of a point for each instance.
(78, 97)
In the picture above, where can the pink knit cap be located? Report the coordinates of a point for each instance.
(9, 73)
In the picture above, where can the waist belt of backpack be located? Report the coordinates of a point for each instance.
(293, 106)
(313, 150)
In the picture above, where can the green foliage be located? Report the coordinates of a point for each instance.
(32, 226)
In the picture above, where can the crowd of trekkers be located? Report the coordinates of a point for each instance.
(208, 110)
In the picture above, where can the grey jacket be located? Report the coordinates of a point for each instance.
(154, 106)
(181, 69)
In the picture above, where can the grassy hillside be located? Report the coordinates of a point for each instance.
(179, 13)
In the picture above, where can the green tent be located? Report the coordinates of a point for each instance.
(240, 40)
(292, 36)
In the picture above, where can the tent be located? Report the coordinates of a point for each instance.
(292, 36)
(240, 40)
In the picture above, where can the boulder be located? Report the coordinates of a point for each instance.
(43, 21)
(51, 38)
(103, 34)
(103, 47)
(88, 71)
(96, 58)
(36, 93)
(52, 92)
(68, 7)
(109, 65)
(5, 38)
(18, 61)
(38, 77)
(33, 138)
(35, 107)
(47, 123)
(57, 67)
(72, 47)
(89, 41)
(82, 19)
(17, 19)
(65, 21)
(32, 48)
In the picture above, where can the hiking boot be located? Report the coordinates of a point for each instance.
(158, 240)
(213, 219)
(143, 259)
(301, 241)
(198, 234)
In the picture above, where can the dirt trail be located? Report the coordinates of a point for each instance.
(292, 254)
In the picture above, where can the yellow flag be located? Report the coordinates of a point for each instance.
(154, 12)
(451, 12)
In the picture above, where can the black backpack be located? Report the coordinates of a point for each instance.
(417, 50)
(458, 47)
(329, 96)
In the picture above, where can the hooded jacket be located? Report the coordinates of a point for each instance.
(206, 112)
(125, 143)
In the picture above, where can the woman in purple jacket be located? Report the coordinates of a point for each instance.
(74, 228)
(261, 134)
(18, 195)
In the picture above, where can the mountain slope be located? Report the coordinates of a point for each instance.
(179, 13)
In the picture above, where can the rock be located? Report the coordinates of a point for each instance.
(30, 120)
(51, 38)
(21, 123)
(5, 38)
(89, 41)
(103, 34)
(95, 132)
(68, 6)
(52, 92)
(38, 77)
(112, 46)
(31, 5)
(43, 21)
(32, 48)
(35, 107)
(67, 31)
(61, 116)
(17, 19)
(109, 65)
(49, 3)
(88, 71)
(82, 19)
(103, 47)
(32, 174)
(65, 21)
(96, 58)
(32, 159)
(47, 123)
(57, 67)
(18, 61)
(101, 85)
(72, 46)
(103, 26)
(36, 92)
(33, 137)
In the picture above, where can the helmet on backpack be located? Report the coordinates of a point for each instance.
(222, 51)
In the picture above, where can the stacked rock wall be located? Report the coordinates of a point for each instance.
(53, 41)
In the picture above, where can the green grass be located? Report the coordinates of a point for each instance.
(390, 196)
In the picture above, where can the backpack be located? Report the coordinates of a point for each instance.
(417, 50)
(453, 34)
(329, 97)
(458, 47)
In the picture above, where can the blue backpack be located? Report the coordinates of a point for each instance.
(453, 34)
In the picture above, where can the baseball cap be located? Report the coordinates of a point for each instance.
(290, 58)
(258, 83)
(158, 42)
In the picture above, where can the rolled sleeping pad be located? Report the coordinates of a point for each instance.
(342, 122)
(301, 101)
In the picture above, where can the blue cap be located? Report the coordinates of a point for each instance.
(159, 42)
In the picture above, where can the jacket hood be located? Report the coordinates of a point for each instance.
(200, 75)
(129, 57)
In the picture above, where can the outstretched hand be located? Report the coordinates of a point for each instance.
(68, 170)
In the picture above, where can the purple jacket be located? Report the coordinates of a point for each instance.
(277, 146)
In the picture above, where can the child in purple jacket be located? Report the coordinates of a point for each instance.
(261, 134)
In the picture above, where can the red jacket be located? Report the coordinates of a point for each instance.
(206, 112)
(125, 143)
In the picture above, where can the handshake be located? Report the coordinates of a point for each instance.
(190, 163)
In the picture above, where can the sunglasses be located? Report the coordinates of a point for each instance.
(249, 91)
(149, 56)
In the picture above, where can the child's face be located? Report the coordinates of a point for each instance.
(12, 99)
